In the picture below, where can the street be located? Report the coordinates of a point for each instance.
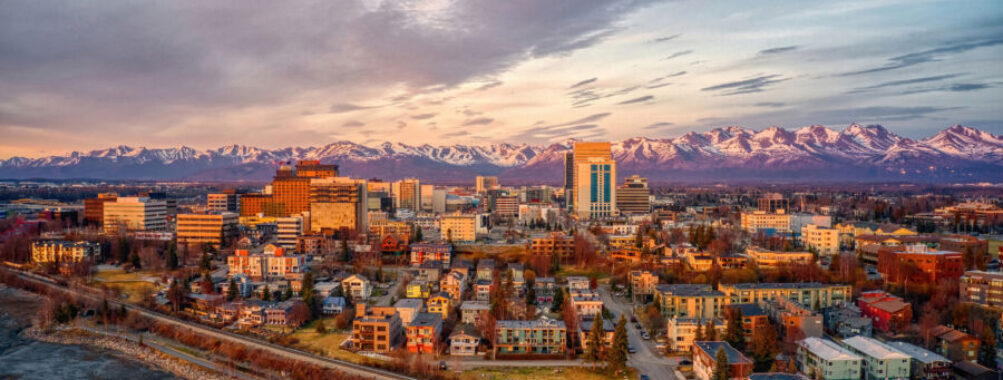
(646, 360)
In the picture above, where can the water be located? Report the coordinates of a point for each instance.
(24, 358)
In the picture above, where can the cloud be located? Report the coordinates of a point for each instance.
(456, 134)
(666, 38)
(584, 82)
(478, 121)
(906, 82)
(353, 124)
(348, 107)
(490, 85)
(401, 124)
(423, 116)
(755, 84)
(654, 86)
(956, 87)
(660, 124)
(887, 113)
(770, 104)
(540, 130)
(638, 100)
(930, 55)
(677, 54)
(778, 50)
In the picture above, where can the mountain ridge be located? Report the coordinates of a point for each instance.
(809, 153)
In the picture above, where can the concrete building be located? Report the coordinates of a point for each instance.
(813, 295)
(924, 364)
(690, 300)
(681, 332)
(984, 288)
(634, 197)
(48, 251)
(223, 202)
(880, 361)
(595, 188)
(581, 153)
(459, 228)
(376, 329)
(506, 207)
(765, 258)
(217, 229)
(289, 229)
(482, 184)
(407, 194)
(919, 264)
(94, 208)
(547, 337)
(824, 359)
(338, 203)
(135, 214)
(823, 240)
(768, 223)
(887, 311)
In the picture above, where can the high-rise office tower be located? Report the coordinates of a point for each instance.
(583, 153)
(634, 197)
(569, 178)
(338, 202)
(484, 183)
(595, 190)
(407, 194)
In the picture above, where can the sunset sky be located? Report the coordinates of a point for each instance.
(79, 75)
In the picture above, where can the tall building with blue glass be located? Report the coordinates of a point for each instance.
(595, 188)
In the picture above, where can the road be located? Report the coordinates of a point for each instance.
(341, 365)
(646, 360)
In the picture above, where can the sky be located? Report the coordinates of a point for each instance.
(89, 75)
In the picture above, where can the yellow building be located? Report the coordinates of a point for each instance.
(418, 290)
(643, 281)
(135, 214)
(63, 251)
(824, 240)
(459, 228)
(811, 294)
(759, 220)
(690, 301)
(440, 303)
(216, 228)
(338, 203)
(765, 258)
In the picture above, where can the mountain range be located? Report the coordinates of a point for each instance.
(732, 154)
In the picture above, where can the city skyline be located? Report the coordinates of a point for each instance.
(470, 72)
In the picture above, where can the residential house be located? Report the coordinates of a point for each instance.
(485, 269)
(482, 290)
(472, 311)
(464, 340)
(954, 344)
(440, 303)
(423, 333)
(585, 329)
(705, 360)
(545, 288)
(826, 360)
(453, 283)
(430, 271)
(418, 289)
(333, 305)
(376, 329)
(356, 287)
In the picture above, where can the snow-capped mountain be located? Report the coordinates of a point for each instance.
(811, 153)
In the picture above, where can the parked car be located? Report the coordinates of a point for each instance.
(643, 377)
(631, 349)
(645, 336)
(633, 319)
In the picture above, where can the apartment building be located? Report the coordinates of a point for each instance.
(954, 344)
(924, 364)
(376, 329)
(690, 300)
(826, 360)
(643, 282)
(880, 361)
(273, 262)
(556, 244)
(814, 295)
(453, 283)
(408, 309)
(472, 311)
(423, 333)
(288, 231)
(753, 318)
(135, 214)
(705, 360)
(61, 251)
(765, 258)
(217, 228)
(681, 332)
(823, 240)
(887, 311)
(440, 303)
(983, 288)
(407, 194)
(458, 228)
(227, 201)
(794, 319)
(769, 223)
(422, 252)
(586, 303)
(920, 264)
(546, 337)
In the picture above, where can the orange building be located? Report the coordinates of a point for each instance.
(94, 208)
(314, 169)
(919, 264)
(423, 332)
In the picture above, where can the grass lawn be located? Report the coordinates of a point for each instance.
(118, 275)
(327, 343)
(533, 373)
(133, 284)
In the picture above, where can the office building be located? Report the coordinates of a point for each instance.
(569, 179)
(919, 264)
(227, 201)
(458, 228)
(407, 194)
(338, 204)
(482, 184)
(825, 241)
(217, 229)
(94, 208)
(289, 229)
(634, 197)
(135, 214)
(506, 207)
(595, 188)
(61, 251)
(583, 152)
(773, 203)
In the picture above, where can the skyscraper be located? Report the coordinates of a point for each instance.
(595, 188)
(583, 153)
(484, 183)
(407, 194)
(634, 197)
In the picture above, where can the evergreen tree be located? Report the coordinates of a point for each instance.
(172, 256)
(593, 344)
(558, 301)
(720, 365)
(206, 262)
(231, 290)
(288, 293)
(417, 234)
(345, 254)
(308, 293)
(698, 336)
(987, 351)
(710, 333)
(734, 333)
(266, 294)
(764, 347)
(617, 358)
(134, 259)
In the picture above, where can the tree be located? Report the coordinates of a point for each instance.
(134, 259)
(206, 263)
(558, 303)
(288, 293)
(417, 234)
(266, 294)
(699, 337)
(177, 294)
(172, 256)
(617, 358)
(710, 333)
(720, 365)
(987, 351)
(594, 343)
(308, 293)
(345, 255)
(320, 328)
(733, 335)
(231, 290)
(764, 347)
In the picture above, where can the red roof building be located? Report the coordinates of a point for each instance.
(887, 311)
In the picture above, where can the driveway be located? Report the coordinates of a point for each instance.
(646, 360)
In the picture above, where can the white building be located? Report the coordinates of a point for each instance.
(135, 214)
(289, 229)
(825, 240)
(881, 361)
(824, 359)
